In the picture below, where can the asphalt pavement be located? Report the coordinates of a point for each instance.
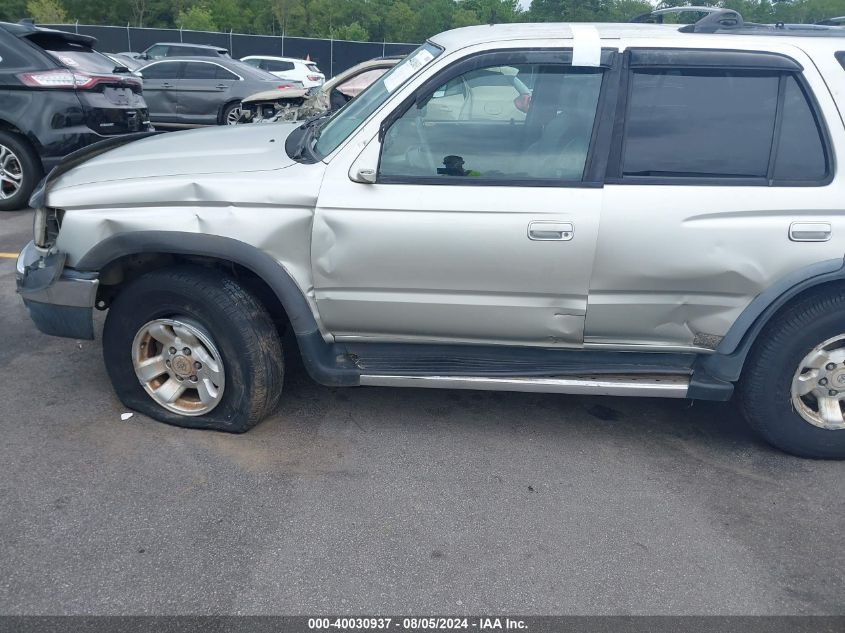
(372, 500)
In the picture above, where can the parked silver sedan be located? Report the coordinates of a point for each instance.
(183, 91)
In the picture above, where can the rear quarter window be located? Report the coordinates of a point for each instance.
(11, 57)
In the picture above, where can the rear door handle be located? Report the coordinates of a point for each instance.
(222, 86)
(166, 85)
(549, 231)
(809, 231)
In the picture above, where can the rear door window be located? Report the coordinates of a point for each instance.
(699, 123)
(750, 126)
(162, 70)
(199, 70)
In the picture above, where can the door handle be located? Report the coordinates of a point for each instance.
(550, 231)
(166, 85)
(809, 231)
(222, 86)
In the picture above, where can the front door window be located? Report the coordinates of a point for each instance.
(497, 123)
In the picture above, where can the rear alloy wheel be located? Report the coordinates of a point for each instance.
(818, 386)
(20, 171)
(793, 386)
(232, 114)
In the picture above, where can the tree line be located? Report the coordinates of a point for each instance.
(375, 20)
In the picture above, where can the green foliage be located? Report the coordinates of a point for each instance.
(378, 20)
(46, 11)
(353, 31)
(196, 18)
(12, 10)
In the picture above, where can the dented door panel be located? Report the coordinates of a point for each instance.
(452, 263)
(678, 268)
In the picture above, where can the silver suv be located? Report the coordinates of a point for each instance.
(621, 209)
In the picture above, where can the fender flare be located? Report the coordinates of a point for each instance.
(268, 269)
(727, 363)
(319, 357)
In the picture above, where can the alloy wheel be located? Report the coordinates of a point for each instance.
(818, 386)
(11, 173)
(179, 365)
(234, 115)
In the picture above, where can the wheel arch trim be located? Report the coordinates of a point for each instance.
(271, 271)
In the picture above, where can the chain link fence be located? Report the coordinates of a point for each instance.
(332, 56)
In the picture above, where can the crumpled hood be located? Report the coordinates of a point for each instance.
(235, 148)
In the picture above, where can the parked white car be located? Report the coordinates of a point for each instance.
(289, 68)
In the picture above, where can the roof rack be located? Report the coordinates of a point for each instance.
(727, 21)
(656, 16)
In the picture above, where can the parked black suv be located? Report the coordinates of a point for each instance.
(57, 95)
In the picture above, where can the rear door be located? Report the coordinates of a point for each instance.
(202, 89)
(723, 154)
(160, 90)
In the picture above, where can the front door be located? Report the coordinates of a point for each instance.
(482, 225)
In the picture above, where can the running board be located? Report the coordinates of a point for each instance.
(656, 386)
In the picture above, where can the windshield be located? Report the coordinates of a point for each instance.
(336, 129)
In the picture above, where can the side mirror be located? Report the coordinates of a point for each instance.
(364, 169)
(366, 175)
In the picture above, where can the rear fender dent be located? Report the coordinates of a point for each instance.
(727, 363)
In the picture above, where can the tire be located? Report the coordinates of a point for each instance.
(20, 171)
(237, 341)
(780, 356)
(229, 112)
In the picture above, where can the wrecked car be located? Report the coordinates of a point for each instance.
(663, 217)
(274, 106)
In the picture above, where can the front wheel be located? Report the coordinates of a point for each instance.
(193, 348)
(793, 386)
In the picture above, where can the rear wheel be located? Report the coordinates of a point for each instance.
(193, 348)
(793, 387)
(20, 171)
(232, 114)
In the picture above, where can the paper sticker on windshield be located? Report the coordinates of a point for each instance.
(406, 69)
(67, 61)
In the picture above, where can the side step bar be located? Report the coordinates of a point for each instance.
(656, 386)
